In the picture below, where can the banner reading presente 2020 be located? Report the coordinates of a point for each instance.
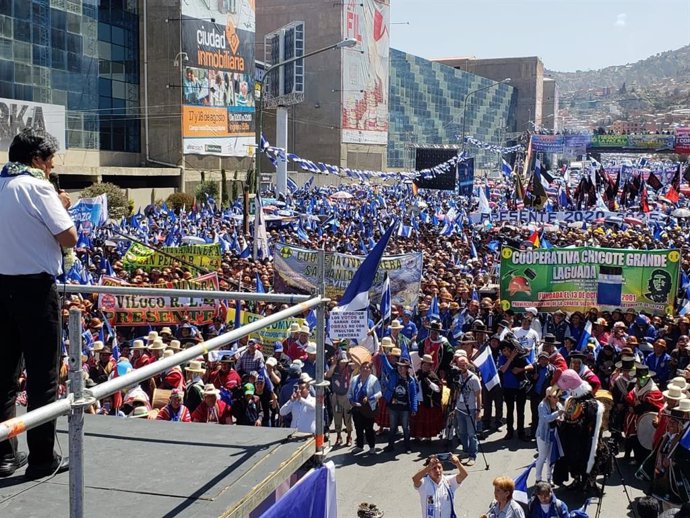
(576, 279)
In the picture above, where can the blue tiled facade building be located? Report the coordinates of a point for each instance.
(81, 54)
(426, 109)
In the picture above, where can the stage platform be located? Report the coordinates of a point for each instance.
(141, 468)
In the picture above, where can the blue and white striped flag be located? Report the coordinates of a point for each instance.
(291, 185)
(487, 368)
(520, 492)
(386, 300)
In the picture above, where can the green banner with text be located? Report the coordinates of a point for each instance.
(576, 279)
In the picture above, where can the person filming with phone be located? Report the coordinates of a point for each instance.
(436, 490)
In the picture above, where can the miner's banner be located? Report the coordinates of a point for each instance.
(296, 272)
(580, 278)
(204, 256)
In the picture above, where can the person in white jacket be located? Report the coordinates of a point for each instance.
(302, 406)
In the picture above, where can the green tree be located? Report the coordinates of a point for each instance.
(118, 204)
(206, 189)
(178, 200)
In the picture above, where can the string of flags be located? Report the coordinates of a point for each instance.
(276, 154)
(492, 147)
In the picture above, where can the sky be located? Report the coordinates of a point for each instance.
(567, 35)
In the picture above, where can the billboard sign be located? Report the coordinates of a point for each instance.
(16, 115)
(218, 77)
(365, 72)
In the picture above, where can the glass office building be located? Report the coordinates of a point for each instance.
(426, 109)
(81, 54)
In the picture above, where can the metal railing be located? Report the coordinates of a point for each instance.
(79, 398)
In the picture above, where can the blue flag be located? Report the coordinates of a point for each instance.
(259, 285)
(505, 168)
(291, 185)
(610, 285)
(586, 335)
(311, 319)
(356, 296)
(434, 310)
(386, 299)
(487, 368)
(312, 497)
(520, 492)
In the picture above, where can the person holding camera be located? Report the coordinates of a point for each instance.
(436, 490)
(302, 406)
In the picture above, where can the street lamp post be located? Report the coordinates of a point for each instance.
(467, 96)
(350, 42)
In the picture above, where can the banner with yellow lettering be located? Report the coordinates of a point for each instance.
(204, 256)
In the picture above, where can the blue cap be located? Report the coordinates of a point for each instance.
(278, 347)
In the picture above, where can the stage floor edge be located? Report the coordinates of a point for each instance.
(135, 468)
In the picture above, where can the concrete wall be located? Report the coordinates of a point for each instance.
(526, 76)
(314, 125)
(549, 110)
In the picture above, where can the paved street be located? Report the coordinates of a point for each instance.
(385, 479)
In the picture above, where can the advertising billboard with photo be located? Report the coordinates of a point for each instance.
(365, 72)
(218, 77)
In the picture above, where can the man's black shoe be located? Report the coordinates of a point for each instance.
(35, 471)
(508, 436)
(11, 463)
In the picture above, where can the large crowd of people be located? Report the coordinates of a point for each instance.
(627, 387)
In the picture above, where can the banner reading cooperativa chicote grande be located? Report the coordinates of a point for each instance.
(218, 77)
(295, 271)
(204, 256)
(144, 310)
(580, 278)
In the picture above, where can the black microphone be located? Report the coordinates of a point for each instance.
(54, 179)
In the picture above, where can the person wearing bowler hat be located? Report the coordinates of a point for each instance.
(644, 397)
(429, 420)
(225, 376)
(212, 409)
(400, 394)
